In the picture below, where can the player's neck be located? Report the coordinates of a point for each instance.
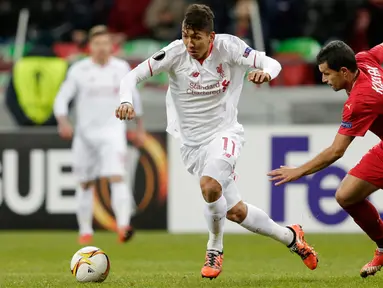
(206, 54)
(352, 80)
(203, 58)
(101, 61)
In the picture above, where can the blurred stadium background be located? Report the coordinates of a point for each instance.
(286, 122)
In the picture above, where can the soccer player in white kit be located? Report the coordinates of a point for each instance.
(206, 74)
(99, 144)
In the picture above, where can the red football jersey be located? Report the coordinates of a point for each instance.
(363, 110)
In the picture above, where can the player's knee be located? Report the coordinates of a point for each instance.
(342, 199)
(237, 213)
(211, 189)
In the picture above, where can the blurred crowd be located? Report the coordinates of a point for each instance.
(356, 21)
(293, 30)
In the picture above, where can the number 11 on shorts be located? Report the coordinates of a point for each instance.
(227, 151)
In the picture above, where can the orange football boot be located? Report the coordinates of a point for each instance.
(373, 266)
(213, 264)
(304, 250)
(85, 239)
(125, 234)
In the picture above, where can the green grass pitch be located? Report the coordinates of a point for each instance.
(160, 260)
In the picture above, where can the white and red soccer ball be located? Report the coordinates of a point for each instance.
(90, 264)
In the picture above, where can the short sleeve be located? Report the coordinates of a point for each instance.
(357, 119)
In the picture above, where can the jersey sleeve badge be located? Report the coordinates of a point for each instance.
(159, 55)
(247, 52)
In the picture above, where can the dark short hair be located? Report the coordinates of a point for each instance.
(199, 17)
(97, 31)
(337, 54)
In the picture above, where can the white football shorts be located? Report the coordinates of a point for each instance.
(216, 159)
(99, 156)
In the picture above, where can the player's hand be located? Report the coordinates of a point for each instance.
(258, 77)
(65, 130)
(284, 175)
(125, 112)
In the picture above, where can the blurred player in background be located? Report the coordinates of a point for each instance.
(206, 74)
(99, 144)
(361, 76)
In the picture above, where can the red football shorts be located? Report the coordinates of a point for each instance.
(370, 167)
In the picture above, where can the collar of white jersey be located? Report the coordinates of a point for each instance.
(107, 63)
(208, 56)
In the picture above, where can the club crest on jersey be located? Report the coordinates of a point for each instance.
(159, 55)
(247, 52)
(220, 71)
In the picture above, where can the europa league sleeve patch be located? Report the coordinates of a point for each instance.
(247, 52)
(159, 55)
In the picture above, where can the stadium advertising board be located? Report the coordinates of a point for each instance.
(309, 201)
(37, 186)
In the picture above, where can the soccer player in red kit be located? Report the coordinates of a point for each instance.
(361, 76)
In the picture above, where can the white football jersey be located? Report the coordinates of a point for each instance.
(202, 99)
(96, 89)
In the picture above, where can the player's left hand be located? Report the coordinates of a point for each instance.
(284, 175)
(258, 76)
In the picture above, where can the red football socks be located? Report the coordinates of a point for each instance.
(368, 218)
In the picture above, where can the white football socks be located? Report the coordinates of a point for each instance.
(215, 214)
(121, 203)
(259, 222)
(84, 211)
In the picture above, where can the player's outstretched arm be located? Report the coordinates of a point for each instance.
(128, 89)
(126, 111)
(328, 156)
(159, 62)
(60, 108)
